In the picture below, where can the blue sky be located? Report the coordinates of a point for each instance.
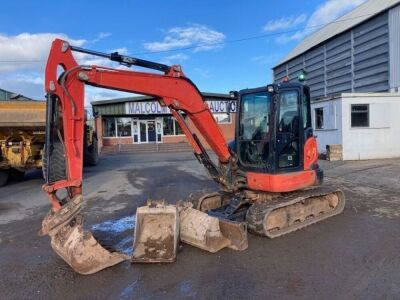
(137, 28)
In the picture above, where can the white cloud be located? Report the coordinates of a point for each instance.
(325, 13)
(199, 36)
(101, 36)
(204, 73)
(28, 51)
(284, 23)
(32, 79)
(23, 58)
(174, 59)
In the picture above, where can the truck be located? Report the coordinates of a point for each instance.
(22, 138)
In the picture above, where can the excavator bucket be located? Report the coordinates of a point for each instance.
(156, 233)
(210, 233)
(75, 245)
(235, 232)
(82, 252)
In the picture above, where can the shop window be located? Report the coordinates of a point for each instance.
(171, 126)
(109, 127)
(222, 118)
(168, 126)
(178, 129)
(319, 118)
(359, 115)
(124, 127)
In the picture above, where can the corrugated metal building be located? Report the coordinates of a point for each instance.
(7, 95)
(359, 52)
(352, 67)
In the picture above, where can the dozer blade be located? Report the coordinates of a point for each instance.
(156, 233)
(294, 211)
(76, 246)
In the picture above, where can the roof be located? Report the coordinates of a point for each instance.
(7, 95)
(357, 16)
(150, 98)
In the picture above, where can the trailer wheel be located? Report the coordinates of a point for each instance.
(4, 174)
(57, 167)
(91, 154)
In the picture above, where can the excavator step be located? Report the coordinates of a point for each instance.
(294, 211)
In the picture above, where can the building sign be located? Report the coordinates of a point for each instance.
(154, 108)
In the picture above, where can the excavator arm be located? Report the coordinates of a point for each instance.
(65, 81)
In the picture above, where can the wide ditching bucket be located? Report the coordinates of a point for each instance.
(156, 233)
(75, 245)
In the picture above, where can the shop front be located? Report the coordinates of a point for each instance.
(142, 120)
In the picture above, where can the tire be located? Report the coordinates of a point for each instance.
(16, 175)
(4, 174)
(57, 165)
(91, 154)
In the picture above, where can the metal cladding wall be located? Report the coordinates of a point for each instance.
(394, 49)
(109, 109)
(356, 60)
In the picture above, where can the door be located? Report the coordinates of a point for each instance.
(143, 131)
(288, 130)
(151, 131)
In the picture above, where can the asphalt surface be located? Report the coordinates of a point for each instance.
(355, 255)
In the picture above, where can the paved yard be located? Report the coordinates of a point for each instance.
(353, 255)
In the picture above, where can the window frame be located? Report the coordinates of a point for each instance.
(104, 127)
(223, 113)
(174, 124)
(360, 112)
(322, 127)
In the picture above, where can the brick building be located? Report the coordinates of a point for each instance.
(141, 123)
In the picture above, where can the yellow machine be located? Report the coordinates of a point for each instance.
(22, 135)
(22, 138)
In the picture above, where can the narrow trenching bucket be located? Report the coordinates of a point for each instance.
(76, 246)
(156, 233)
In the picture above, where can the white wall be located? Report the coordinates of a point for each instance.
(332, 132)
(382, 138)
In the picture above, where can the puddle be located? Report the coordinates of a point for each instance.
(127, 292)
(116, 226)
(125, 245)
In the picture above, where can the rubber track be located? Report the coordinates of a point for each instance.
(257, 212)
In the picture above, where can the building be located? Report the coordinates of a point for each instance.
(142, 120)
(352, 66)
(7, 95)
(366, 125)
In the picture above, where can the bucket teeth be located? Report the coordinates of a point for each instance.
(75, 245)
(81, 250)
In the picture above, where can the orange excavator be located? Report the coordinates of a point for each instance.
(269, 175)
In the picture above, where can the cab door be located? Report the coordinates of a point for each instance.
(288, 130)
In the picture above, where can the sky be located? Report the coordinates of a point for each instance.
(212, 40)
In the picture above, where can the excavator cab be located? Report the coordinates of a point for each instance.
(272, 126)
